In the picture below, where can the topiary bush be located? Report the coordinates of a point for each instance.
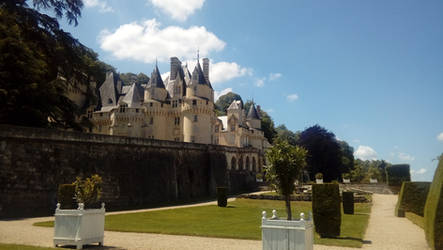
(326, 209)
(434, 210)
(65, 196)
(412, 198)
(88, 191)
(348, 202)
(397, 174)
(318, 176)
(222, 197)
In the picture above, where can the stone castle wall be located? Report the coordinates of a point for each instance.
(136, 172)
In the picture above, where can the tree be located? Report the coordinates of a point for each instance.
(285, 165)
(324, 152)
(129, 78)
(347, 157)
(35, 52)
(285, 134)
(223, 102)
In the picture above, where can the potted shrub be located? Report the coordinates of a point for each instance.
(319, 178)
(346, 178)
(84, 224)
(285, 165)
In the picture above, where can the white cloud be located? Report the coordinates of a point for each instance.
(292, 97)
(217, 94)
(225, 71)
(260, 82)
(405, 157)
(165, 75)
(101, 4)
(365, 153)
(440, 136)
(146, 41)
(274, 76)
(178, 9)
(269, 110)
(418, 172)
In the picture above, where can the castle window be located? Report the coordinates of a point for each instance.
(194, 102)
(216, 128)
(162, 105)
(206, 102)
(195, 89)
(101, 114)
(136, 110)
(192, 139)
(123, 108)
(176, 139)
(89, 114)
(150, 104)
(109, 101)
(151, 120)
(177, 121)
(195, 118)
(232, 127)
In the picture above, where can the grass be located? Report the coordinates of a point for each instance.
(21, 247)
(241, 219)
(416, 219)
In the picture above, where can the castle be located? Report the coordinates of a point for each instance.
(181, 108)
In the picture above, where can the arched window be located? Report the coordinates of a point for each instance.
(233, 163)
(254, 166)
(240, 163)
(109, 101)
(247, 163)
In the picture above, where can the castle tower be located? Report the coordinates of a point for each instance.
(253, 118)
(198, 109)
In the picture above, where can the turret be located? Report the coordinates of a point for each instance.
(253, 118)
(155, 90)
(109, 91)
(200, 85)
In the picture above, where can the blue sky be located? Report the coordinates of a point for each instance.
(369, 71)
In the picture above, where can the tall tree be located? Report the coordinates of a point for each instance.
(285, 164)
(347, 157)
(324, 154)
(224, 101)
(285, 134)
(34, 53)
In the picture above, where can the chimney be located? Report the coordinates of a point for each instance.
(206, 68)
(175, 66)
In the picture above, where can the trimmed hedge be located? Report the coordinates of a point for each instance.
(412, 198)
(397, 174)
(222, 197)
(348, 202)
(65, 196)
(326, 209)
(434, 210)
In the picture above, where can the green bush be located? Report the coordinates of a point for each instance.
(396, 174)
(348, 202)
(88, 191)
(326, 209)
(434, 210)
(318, 176)
(222, 197)
(412, 198)
(65, 196)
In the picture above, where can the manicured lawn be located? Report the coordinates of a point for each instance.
(21, 247)
(241, 219)
(416, 219)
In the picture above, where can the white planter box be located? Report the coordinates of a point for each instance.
(79, 226)
(287, 235)
(346, 180)
(373, 180)
(319, 181)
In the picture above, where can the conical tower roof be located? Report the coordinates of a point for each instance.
(156, 79)
(253, 113)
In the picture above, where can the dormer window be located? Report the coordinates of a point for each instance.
(194, 102)
(123, 108)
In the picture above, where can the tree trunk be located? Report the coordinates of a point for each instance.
(288, 206)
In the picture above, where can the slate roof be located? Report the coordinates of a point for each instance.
(236, 104)
(108, 91)
(253, 113)
(198, 76)
(134, 96)
(156, 79)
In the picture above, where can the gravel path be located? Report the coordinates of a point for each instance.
(388, 232)
(385, 232)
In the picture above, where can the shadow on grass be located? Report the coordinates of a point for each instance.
(92, 247)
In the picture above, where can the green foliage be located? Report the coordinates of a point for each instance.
(324, 153)
(412, 198)
(346, 176)
(347, 157)
(348, 202)
(285, 163)
(287, 135)
(65, 196)
(364, 170)
(318, 176)
(434, 210)
(34, 53)
(396, 174)
(129, 78)
(224, 101)
(326, 209)
(222, 197)
(88, 191)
